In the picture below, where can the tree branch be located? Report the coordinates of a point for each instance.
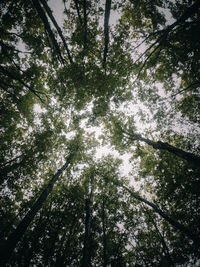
(165, 32)
(12, 76)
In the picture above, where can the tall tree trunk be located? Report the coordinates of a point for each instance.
(86, 261)
(162, 239)
(78, 11)
(175, 224)
(105, 260)
(106, 31)
(163, 34)
(85, 22)
(47, 26)
(49, 12)
(190, 157)
(39, 231)
(191, 10)
(16, 236)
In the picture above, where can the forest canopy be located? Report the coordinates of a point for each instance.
(99, 133)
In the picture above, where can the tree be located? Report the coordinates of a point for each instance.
(120, 68)
(86, 261)
(15, 237)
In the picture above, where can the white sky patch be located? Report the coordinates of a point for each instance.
(57, 8)
(37, 108)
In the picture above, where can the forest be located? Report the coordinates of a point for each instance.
(99, 133)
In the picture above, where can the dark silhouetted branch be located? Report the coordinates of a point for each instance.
(163, 34)
(14, 77)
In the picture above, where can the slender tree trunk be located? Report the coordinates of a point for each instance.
(78, 11)
(49, 12)
(106, 31)
(175, 224)
(10, 161)
(187, 14)
(85, 23)
(163, 34)
(190, 157)
(86, 261)
(44, 19)
(39, 231)
(105, 260)
(162, 239)
(16, 236)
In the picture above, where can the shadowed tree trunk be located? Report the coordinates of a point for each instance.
(49, 12)
(10, 244)
(78, 11)
(106, 31)
(105, 259)
(39, 231)
(190, 157)
(175, 224)
(44, 19)
(86, 261)
(162, 239)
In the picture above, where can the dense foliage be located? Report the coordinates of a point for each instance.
(117, 74)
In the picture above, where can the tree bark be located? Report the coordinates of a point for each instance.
(10, 244)
(190, 157)
(78, 12)
(106, 31)
(44, 19)
(39, 231)
(86, 261)
(85, 23)
(175, 224)
(162, 239)
(49, 12)
(105, 260)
